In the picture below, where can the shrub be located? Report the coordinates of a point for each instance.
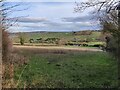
(97, 45)
(39, 40)
(6, 46)
(31, 40)
(7, 66)
(85, 44)
(112, 46)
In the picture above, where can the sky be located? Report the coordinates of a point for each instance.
(51, 16)
(44, 0)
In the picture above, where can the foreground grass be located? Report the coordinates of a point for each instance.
(73, 70)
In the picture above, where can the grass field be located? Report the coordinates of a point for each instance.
(68, 70)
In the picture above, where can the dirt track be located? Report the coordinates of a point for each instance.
(54, 48)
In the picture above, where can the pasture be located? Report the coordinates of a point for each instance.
(65, 69)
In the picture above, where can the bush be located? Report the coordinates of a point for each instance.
(6, 46)
(31, 40)
(112, 45)
(85, 44)
(39, 40)
(7, 66)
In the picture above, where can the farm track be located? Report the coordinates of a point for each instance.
(54, 48)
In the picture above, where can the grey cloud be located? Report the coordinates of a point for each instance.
(68, 24)
(79, 19)
(59, 26)
(32, 20)
(54, 26)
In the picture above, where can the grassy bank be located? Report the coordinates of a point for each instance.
(73, 70)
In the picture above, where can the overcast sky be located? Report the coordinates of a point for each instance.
(51, 15)
(44, 0)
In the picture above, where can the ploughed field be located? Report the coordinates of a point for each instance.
(63, 69)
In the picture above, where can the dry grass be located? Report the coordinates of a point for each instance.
(8, 69)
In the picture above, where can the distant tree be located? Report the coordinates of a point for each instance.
(22, 38)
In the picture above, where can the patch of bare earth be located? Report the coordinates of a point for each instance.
(52, 49)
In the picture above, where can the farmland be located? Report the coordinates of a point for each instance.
(59, 38)
(67, 35)
(60, 44)
(52, 65)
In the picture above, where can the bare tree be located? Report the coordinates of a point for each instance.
(5, 43)
(105, 10)
(99, 5)
(5, 23)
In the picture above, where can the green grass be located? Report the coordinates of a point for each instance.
(96, 43)
(73, 70)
